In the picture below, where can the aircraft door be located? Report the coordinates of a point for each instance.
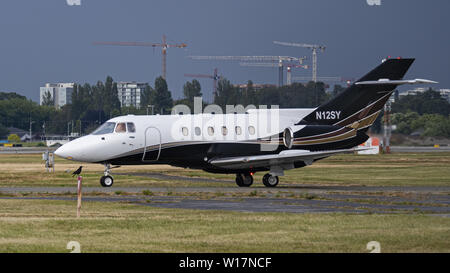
(131, 132)
(152, 144)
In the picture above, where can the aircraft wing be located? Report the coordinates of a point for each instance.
(284, 159)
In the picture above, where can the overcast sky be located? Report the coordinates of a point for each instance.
(50, 41)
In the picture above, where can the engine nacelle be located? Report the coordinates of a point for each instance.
(289, 135)
(304, 135)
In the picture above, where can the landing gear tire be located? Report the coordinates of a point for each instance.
(244, 180)
(270, 180)
(106, 181)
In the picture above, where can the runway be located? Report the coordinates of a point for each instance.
(284, 199)
(313, 189)
(419, 149)
(26, 150)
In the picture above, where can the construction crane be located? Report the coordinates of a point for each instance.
(164, 46)
(215, 77)
(288, 68)
(321, 79)
(314, 49)
(278, 59)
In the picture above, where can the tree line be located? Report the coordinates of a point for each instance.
(94, 104)
(424, 114)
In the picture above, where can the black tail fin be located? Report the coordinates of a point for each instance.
(359, 105)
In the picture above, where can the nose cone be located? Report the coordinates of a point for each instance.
(74, 150)
(65, 151)
(84, 149)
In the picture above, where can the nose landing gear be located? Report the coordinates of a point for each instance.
(107, 180)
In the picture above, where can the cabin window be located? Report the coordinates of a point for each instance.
(185, 131)
(251, 130)
(121, 128)
(198, 131)
(210, 131)
(105, 128)
(224, 130)
(131, 128)
(238, 130)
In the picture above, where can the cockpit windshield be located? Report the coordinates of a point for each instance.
(121, 128)
(105, 128)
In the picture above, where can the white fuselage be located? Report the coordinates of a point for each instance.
(156, 130)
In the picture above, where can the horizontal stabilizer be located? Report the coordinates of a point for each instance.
(395, 82)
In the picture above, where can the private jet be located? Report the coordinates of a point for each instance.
(256, 140)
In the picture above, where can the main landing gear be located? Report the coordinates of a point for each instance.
(107, 180)
(270, 180)
(246, 180)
